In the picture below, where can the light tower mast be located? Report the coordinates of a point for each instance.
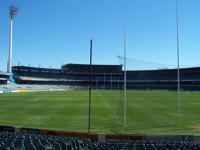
(12, 13)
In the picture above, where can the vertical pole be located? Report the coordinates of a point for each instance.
(97, 83)
(9, 68)
(125, 112)
(90, 91)
(178, 66)
(111, 81)
(104, 81)
(118, 82)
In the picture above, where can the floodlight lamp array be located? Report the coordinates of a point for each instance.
(13, 11)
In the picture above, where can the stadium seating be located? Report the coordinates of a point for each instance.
(36, 87)
(30, 141)
(26, 141)
(145, 145)
(3, 78)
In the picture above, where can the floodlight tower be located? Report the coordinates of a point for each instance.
(12, 13)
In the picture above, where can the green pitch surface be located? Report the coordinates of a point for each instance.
(148, 112)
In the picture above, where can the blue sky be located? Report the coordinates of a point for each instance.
(49, 31)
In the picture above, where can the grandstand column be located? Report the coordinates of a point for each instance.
(12, 13)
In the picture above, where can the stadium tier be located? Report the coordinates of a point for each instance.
(3, 78)
(164, 79)
(33, 75)
(109, 77)
(85, 68)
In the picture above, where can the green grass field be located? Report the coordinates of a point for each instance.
(148, 112)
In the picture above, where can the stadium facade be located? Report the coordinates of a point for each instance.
(109, 77)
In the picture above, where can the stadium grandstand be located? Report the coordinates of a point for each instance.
(35, 139)
(164, 79)
(3, 78)
(70, 74)
(78, 75)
